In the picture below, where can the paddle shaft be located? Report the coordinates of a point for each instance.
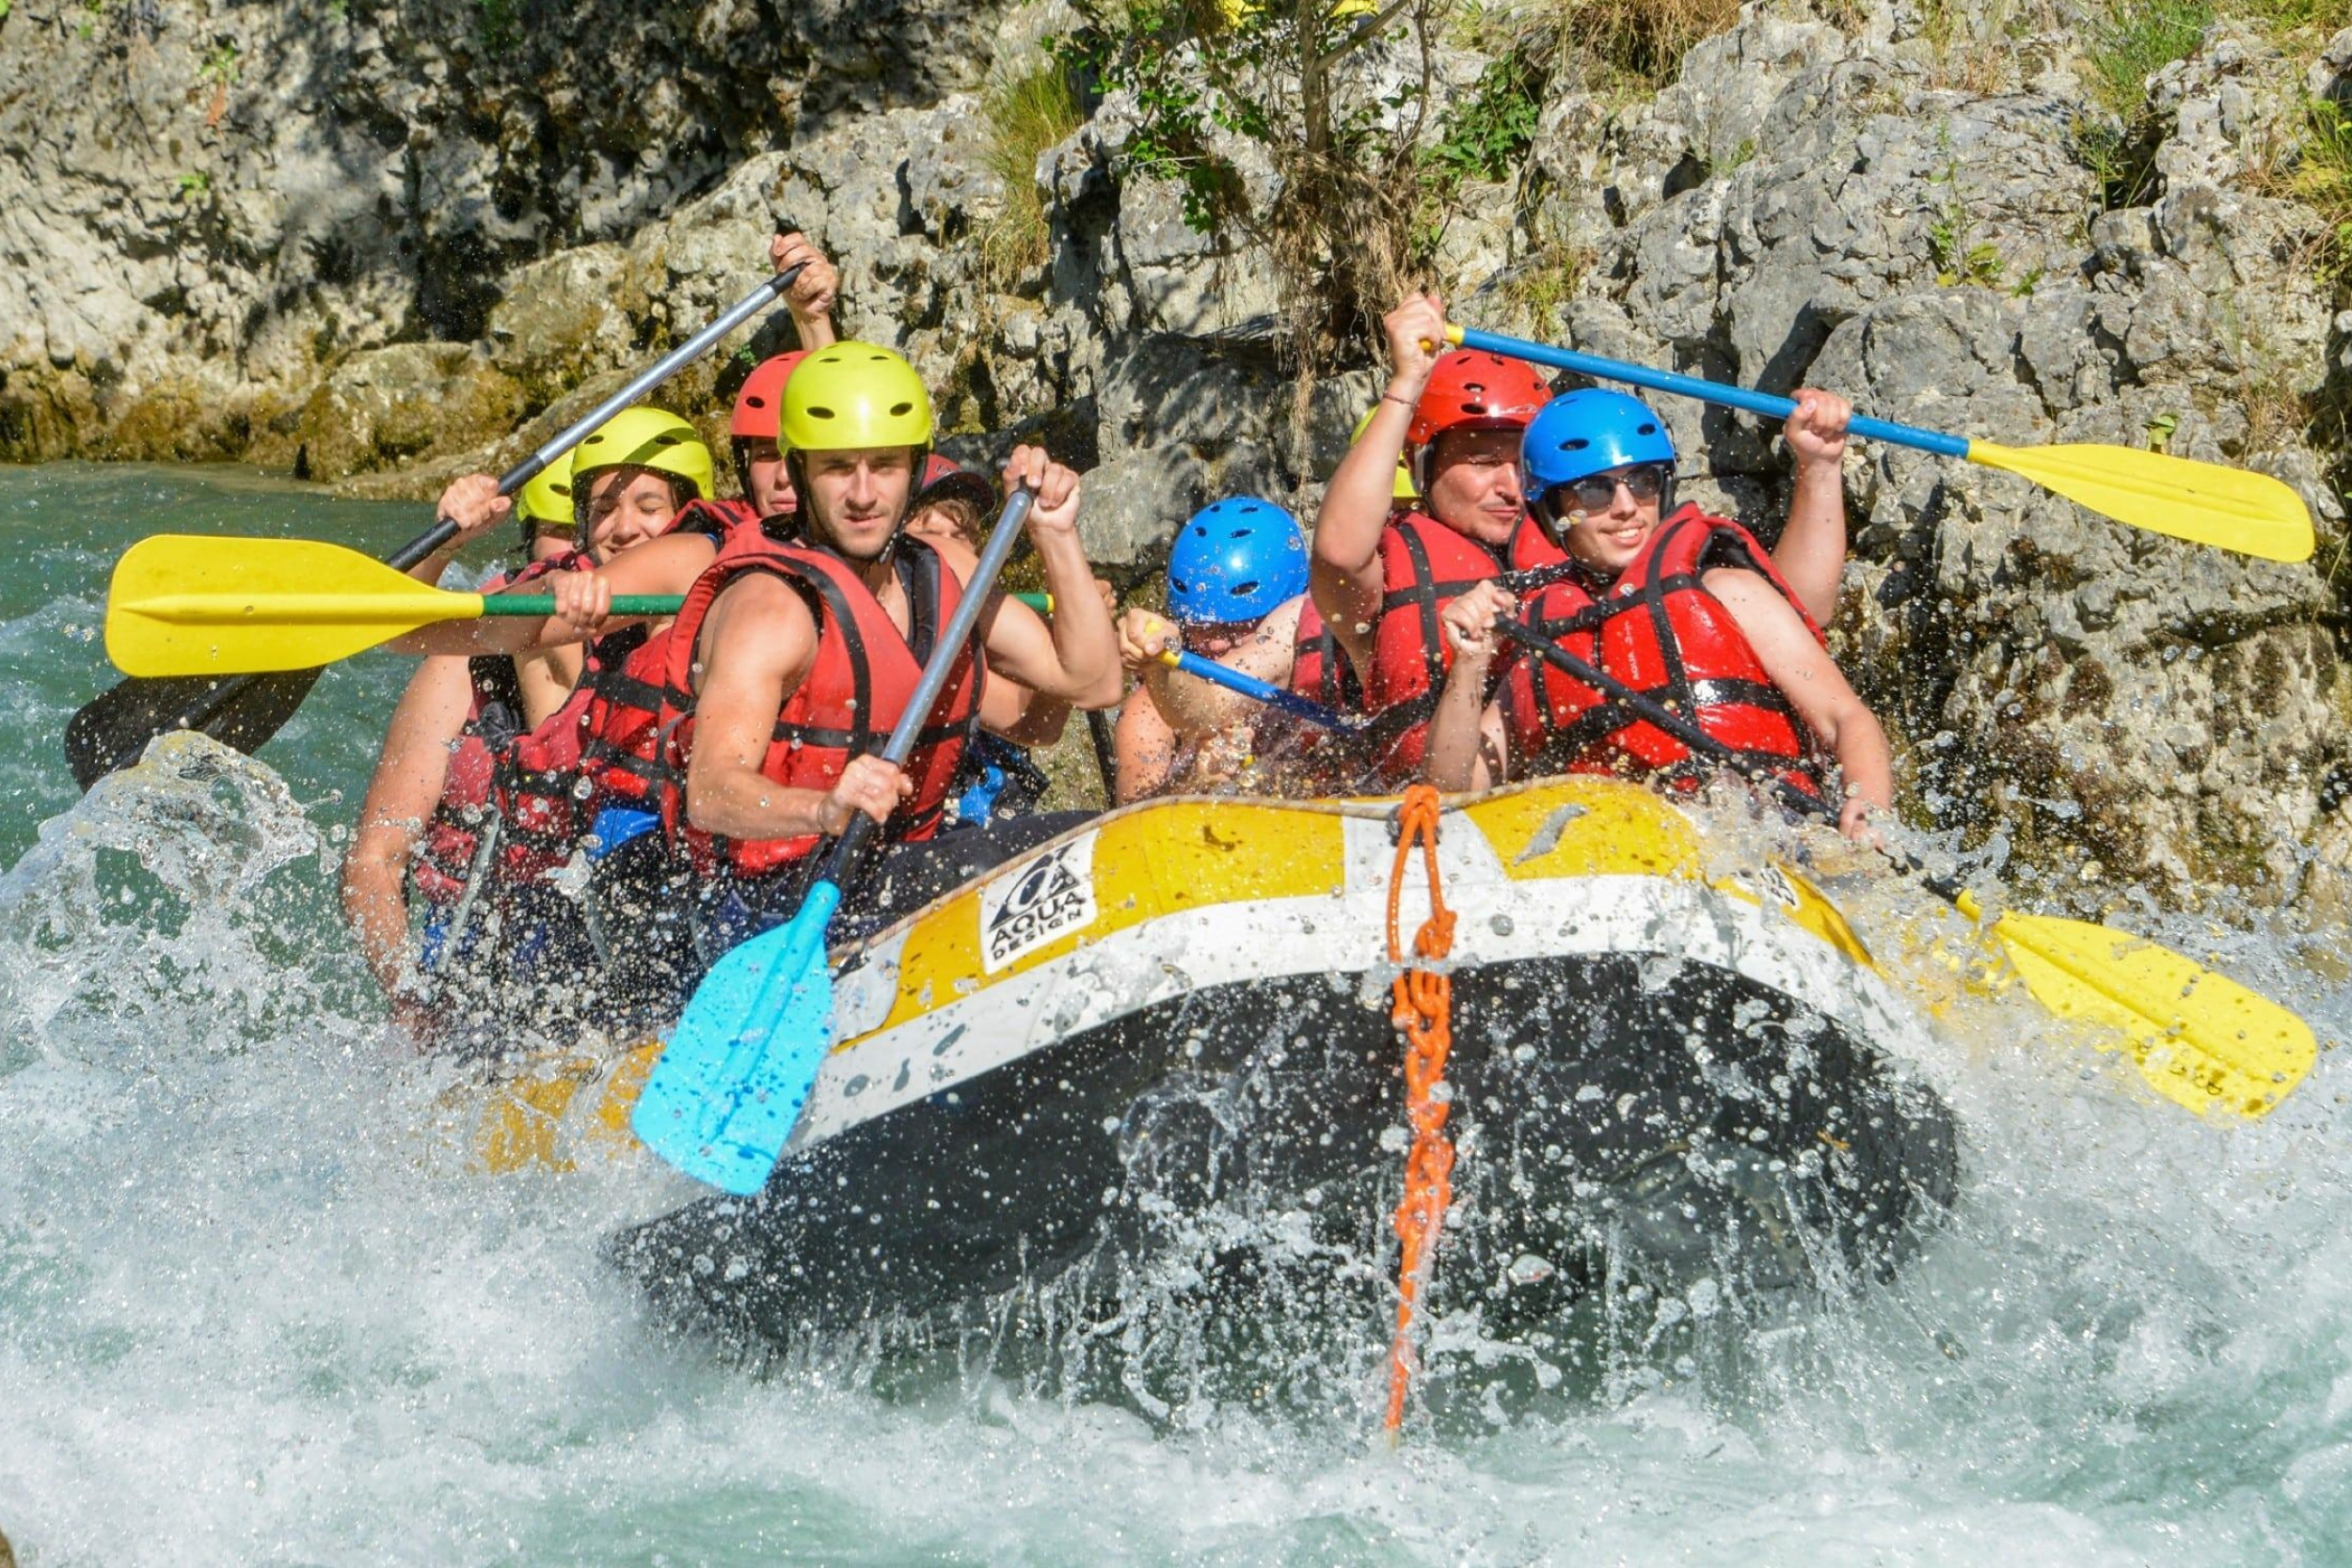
(1252, 688)
(919, 709)
(1706, 391)
(768, 291)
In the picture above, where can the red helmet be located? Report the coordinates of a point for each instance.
(1472, 389)
(943, 477)
(762, 398)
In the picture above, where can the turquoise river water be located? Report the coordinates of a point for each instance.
(255, 1308)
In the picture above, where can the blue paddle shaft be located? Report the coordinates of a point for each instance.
(1706, 391)
(1257, 690)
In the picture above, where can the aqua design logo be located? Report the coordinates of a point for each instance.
(1051, 896)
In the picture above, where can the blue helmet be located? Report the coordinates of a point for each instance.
(1236, 560)
(1584, 432)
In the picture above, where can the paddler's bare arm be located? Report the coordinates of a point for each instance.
(1075, 658)
(668, 565)
(1144, 750)
(811, 297)
(402, 797)
(1812, 549)
(758, 643)
(1816, 687)
(1469, 744)
(1196, 707)
(1346, 571)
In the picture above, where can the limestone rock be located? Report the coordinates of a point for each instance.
(391, 404)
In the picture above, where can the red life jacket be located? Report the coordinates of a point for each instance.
(1424, 567)
(1660, 631)
(864, 676)
(551, 783)
(446, 849)
(715, 519)
(621, 748)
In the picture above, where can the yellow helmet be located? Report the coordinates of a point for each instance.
(1402, 490)
(547, 501)
(851, 396)
(641, 438)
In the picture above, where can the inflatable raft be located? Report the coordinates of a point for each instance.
(1183, 1008)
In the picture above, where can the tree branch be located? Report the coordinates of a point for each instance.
(1364, 34)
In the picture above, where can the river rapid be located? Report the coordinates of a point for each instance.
(256, 1306)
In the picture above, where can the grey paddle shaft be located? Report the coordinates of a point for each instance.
(958, 632)
(769, 290)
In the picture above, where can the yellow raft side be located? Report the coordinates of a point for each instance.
(1162, 857)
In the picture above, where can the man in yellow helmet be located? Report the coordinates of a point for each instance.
(794, 658)
(803, 638)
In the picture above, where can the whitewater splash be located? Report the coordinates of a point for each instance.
(257, 1306)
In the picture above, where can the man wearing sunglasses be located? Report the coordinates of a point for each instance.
(1684, 608)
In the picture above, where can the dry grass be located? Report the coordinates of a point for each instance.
(1613, 45)
(1026, 113)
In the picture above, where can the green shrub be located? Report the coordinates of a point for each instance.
(2137, 40)
(2321, 179)
(1483, 136)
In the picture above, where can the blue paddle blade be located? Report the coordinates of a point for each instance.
(722, 1101)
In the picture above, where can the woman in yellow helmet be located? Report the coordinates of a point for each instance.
(475, 796)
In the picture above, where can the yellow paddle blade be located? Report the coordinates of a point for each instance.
(2203, 502)
(2201, 1039)
(192, 605)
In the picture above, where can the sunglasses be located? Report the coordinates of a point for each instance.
(1644, 482)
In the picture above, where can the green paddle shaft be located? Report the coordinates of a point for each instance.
(541, 604)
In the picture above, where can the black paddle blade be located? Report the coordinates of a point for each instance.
(112, 729)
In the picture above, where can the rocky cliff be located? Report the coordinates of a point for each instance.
(379, 244)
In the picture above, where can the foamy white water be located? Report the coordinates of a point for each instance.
(256, 1307)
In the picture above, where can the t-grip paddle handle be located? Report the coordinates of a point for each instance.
(1691, 387)
(1251, 686)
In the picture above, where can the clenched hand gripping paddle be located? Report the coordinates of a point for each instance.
(723, 1097)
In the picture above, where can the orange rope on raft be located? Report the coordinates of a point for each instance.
(1424, 1013)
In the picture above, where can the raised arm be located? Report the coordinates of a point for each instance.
(811, 297)
(1345, 574)
(1075, 658)
(1812, 549)
(1816, 687)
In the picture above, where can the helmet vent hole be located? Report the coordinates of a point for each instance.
(899, 409)
(1246, 589)
(819, 413)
